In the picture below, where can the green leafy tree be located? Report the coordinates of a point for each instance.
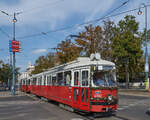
(127, 46)
(108, 35)
(44, 62)
(6, 72)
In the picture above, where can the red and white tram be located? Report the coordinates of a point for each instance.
(82, 85)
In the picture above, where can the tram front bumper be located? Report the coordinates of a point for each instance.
(100, 108)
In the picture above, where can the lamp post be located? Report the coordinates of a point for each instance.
(146, 41)
(14, 61)
(16, 50)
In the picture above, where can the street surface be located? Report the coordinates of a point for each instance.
(29, 107)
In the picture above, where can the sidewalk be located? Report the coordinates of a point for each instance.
(134, 92)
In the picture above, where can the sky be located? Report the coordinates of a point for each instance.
(42, 16)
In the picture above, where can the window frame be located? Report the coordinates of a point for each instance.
(71, 77)
(79, 78)
(62, 79)
(87, 77)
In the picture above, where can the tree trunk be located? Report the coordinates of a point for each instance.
(127, 75)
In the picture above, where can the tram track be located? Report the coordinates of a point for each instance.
(85, 116)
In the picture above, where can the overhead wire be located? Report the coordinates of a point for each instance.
(77, 25)
(110, 12)
(29, 10)
(5, 33)
(39, 7)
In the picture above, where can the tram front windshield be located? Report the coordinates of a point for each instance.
(103, 78)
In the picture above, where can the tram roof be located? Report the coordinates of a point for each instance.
(79, 62)
(85, 61)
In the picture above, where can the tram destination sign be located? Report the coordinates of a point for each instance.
(107, 67)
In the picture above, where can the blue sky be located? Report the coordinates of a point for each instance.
(47, 15)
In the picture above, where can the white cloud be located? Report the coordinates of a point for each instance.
(53, 12)
(100, 9)
(39, 51)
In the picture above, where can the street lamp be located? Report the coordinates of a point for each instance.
(146, 41)
(14, 60)
(14, 39)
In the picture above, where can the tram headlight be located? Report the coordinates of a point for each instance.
(110, 98)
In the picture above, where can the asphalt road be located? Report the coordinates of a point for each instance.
(24, 107)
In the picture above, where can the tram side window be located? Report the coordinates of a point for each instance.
(54, 82)
(40, 80)
(23, 82)
(26, 81)
(60, 78)
(85, 78)
(29, 82)
(67, 78)
(44, 81)
(49, 80)
(34, 81)
(76, 78)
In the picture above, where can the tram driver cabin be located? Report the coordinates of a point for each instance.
(83, 85)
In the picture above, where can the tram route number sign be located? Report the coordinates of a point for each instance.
(105, 67)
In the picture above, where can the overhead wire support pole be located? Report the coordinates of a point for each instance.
(10, 79)
(146, 53)
(146, 50)
(14, 60)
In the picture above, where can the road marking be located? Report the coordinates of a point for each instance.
(131, 105)
(121, 109)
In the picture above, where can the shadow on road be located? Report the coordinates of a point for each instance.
(148, 112)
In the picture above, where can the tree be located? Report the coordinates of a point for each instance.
(108, 34)
(44, 62)
(90, 40)
(127, 46)
(67, 51)
(6, 72)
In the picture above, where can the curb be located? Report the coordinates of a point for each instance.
(133, 94)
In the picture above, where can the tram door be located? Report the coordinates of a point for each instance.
(76, 91)
(81, 89)
(84, 89)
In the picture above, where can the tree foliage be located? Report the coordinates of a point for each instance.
(108, 35)
(44, 62)
(6, 72)
(90, 40)
(127, 46)
(67, 51)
